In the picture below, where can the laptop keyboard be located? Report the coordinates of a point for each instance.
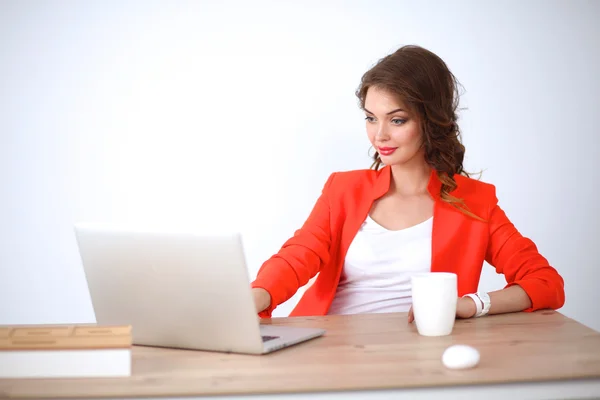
(267, 338)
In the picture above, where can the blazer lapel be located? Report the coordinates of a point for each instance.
(446, 223)
(356, 217)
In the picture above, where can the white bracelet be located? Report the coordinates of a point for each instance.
(485, 299)
(478, 303)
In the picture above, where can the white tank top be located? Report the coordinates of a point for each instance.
(378, 267)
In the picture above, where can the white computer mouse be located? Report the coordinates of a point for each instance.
(460, 356)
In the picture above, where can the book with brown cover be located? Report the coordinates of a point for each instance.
(54, 337)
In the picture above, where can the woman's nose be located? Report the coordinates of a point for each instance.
(382, 133)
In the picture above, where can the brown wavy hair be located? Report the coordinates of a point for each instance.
(423, 81)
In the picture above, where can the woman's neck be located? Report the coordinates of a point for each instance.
(411, 179)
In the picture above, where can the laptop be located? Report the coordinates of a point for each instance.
(178, 290)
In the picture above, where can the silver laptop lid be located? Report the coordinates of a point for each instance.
(176, 289)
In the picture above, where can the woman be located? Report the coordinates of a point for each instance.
(414, 210)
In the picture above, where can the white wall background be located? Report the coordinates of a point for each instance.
(203, 113)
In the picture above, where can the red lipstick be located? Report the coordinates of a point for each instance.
(386, 151)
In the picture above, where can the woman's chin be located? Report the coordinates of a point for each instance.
(402, 159)
(391, 160)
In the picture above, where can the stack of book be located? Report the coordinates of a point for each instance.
(65, 351)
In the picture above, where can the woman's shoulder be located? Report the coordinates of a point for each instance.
(349, 182)
(355, 175)
(475, 190)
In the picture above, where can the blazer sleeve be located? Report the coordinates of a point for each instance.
(300, 258)
(517, 257)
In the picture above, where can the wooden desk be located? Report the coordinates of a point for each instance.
(380, 353)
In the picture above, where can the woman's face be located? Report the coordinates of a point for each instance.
(393, 131)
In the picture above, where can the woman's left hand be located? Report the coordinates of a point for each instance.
(465, 308)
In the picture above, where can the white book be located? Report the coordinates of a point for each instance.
(65, 363)
(65, 351)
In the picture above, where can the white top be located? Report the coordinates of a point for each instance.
(378, 267)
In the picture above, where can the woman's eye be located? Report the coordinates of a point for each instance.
(398, 121)
(369, 119)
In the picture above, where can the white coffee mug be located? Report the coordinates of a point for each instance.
(434, 296)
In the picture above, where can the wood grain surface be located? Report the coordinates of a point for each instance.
(375, 351)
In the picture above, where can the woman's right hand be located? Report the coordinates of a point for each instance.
(262, 299)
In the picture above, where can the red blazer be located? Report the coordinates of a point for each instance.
(460, 244)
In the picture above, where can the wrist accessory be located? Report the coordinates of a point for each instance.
(485, 299)
(482, 302)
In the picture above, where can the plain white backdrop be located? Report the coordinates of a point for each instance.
(203, 114)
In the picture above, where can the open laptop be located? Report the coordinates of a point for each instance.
(179, 290)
